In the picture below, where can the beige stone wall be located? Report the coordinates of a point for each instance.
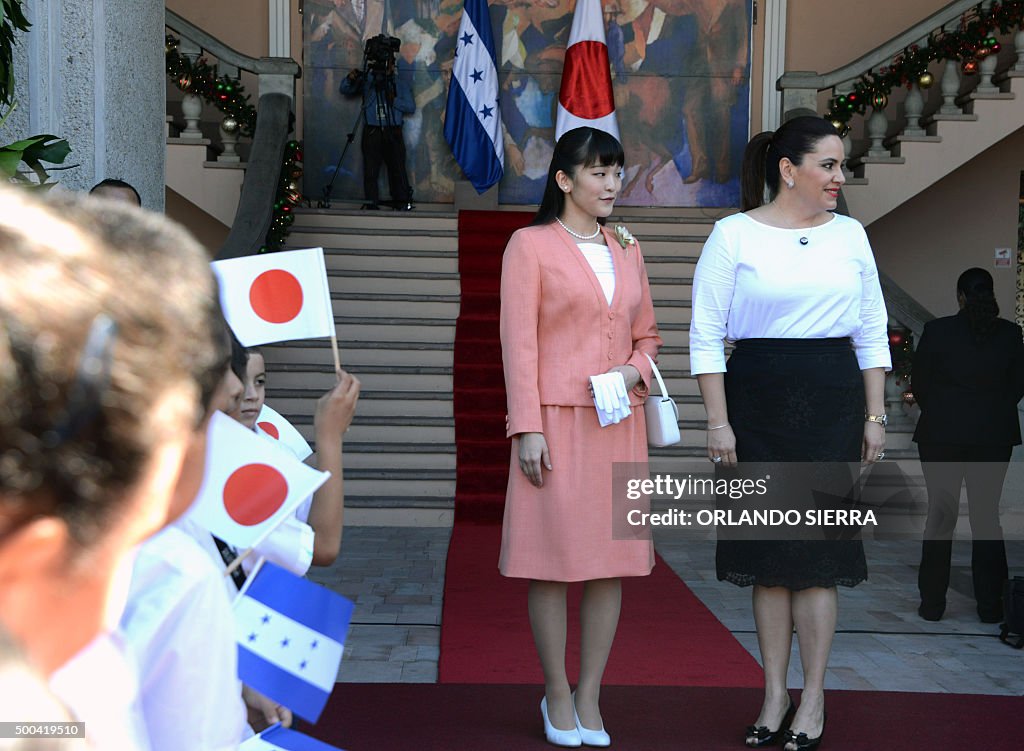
(957, 223)
(823, 35)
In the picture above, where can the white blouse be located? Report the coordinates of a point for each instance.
(758, 281)
(599, 257)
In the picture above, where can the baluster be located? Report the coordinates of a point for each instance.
(191, 104)
(878, 124)
(1018, 46)
(986, 69)
(950, 87)
(913, 106)
(229, 138)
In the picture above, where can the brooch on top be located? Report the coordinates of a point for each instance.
(624, 237)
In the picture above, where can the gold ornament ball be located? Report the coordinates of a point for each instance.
(925, 81)
(230, 125)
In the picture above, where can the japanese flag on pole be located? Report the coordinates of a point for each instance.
(276, 297)
(585, 97)
(250, 484)
(274, 426)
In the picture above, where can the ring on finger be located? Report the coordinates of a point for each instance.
(716, 459)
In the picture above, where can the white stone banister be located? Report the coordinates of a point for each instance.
(800, 88)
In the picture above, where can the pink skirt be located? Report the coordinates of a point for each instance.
(563, 531)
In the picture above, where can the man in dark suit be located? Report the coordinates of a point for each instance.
(968, 376)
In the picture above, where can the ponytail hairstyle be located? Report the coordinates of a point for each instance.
(577, 149)
(793, 140)
(980, 304)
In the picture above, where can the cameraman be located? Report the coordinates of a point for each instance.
(386, 99)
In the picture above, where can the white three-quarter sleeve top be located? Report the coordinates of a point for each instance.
(755, 281)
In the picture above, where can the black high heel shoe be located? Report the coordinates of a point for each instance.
(761, 735)
(803, 743)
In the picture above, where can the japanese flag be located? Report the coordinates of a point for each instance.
(274, 426)
(250, 484)
(585, 96)
(276, 297)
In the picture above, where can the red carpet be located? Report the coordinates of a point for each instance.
(666, 636)
(481, 448)
(429, 717)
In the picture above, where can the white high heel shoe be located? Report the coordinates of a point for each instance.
(556, 737)
(588, 737)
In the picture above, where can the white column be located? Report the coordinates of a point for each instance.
(280, 29)
(774, 15)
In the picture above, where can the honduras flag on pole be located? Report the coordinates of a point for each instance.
(472, 122)
(291, 635)
(277, 738)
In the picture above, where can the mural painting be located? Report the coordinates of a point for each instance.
(681, 77)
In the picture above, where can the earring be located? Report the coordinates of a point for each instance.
(789, 183)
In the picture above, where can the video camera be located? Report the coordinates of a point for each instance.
(380, 51)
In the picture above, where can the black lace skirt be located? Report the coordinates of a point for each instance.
(794, 400)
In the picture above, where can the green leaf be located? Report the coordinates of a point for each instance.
(9, 161)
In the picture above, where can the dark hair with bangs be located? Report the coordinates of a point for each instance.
(577, 149)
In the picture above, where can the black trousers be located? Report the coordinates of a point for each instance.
(946, 468)
(385, 144)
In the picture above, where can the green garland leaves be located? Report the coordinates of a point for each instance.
(972, 40)
(200, 78)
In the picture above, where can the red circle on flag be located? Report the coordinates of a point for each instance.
(586, 89)
(276, 296)
(270, 429)
(253, 493)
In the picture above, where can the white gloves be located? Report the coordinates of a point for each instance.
(610, 398)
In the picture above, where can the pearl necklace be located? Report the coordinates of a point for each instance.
(577, 235)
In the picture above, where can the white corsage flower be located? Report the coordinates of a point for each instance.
(624, 236)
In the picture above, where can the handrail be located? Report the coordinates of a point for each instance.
(262, 176)
(878, 56)
(278, 66)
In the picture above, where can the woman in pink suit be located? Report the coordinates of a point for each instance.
(575, 303)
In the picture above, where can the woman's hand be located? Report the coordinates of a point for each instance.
(629, 374)
(874, 443)
(533, 452)
(722, 443)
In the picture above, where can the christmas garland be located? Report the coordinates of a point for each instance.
(971, 41)
(228, 95)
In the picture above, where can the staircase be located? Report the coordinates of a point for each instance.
(395, 293)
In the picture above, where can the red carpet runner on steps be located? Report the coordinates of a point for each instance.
(666, 636)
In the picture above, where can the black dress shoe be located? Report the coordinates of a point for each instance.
(761, 735)
(931, 612)
(370, 207)
(801, 741)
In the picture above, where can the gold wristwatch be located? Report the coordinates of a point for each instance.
(882, 420)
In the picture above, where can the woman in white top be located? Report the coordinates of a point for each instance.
(795, 287)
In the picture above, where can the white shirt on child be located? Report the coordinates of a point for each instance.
(179, 628)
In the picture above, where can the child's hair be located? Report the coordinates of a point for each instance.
(104, 310)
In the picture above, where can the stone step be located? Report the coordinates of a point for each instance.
(356, 328)
(416, 261)
(417, 283)
(359, 220)
(398, 306)
(389, 239)
(403, 456)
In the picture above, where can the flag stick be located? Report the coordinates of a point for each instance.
(334, 347)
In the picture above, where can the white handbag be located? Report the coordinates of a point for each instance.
(662, 415)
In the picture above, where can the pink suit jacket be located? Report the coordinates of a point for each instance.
(557, 328)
